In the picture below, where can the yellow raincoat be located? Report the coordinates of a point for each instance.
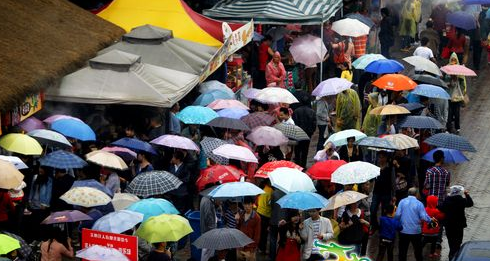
(371, 122)
(410, 15)
(348, 110)
(457, 95)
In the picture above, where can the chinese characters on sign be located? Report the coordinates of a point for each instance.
(128, 245)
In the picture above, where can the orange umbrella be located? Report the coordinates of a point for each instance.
(395, 82)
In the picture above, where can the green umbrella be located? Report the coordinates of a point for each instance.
(8, 244)
(164, 228)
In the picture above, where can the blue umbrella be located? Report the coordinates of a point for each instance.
(461, 20)
(450, 141)
(412, 106)
(365, 20)
(92, 183)
(303, 201)
(208, 97)
(196, 115)
(151, 207)
(431, 91)
(135, 144)
(450, 156)
(233, 113)
(74, 129)
(476, 2)
(421, 122)
(363, 61)
(61, 159)
(118, 222)
(384, 66)
(235, 190)
(378, 143)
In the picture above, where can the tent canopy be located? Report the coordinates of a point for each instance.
(275, 11)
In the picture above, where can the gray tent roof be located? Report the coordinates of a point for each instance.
(149, 34)
(114, 60)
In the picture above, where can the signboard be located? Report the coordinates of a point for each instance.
(32, 104)
(240, 37)
(128, 245)
(216, 61)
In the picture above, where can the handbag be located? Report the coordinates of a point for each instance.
(446, 53)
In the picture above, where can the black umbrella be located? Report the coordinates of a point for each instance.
(421, 122)
(228, 123)
(412, 106)
(222, 238)
(428, 79)
(450, 141)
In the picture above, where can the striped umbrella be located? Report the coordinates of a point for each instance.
(222, 238)
(208, 144)
(421, 122)
(402, 141)
(450, 141)
(292, 131)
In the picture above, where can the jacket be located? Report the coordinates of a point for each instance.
(6, 206)
(388, 226)
(306, 234)
(183, 175)
(208, 218)
(55, 251)
(251, 228)
(45, 192)
(433, 212)
(322, 112)
(264, 206)
(305, 118)
(277, 212)
(453, 208)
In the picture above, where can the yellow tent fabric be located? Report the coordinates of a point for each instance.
(169, 14)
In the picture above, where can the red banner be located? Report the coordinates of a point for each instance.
(128, 245)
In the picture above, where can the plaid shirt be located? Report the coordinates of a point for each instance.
(360, 45)
(436, 181)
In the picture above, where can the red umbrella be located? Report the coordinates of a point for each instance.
(263, 172)
(323, 170)
(218, 173)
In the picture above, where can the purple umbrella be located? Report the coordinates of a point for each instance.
(124, 153)
(57, 117)
(332, 86)
(308, 50)
(67, 216)
(31, 123)
(174, 141)
(462, 20)
(265, 135)
(250, 93)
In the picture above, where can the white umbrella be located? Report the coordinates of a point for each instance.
(236, 152)
(101, 253)
(121, 201)
(402, 141)
(308, 50)
(215, 85)
(85, 197)
(16, 161)
(343, 199)
(291, 180)
(355, 172)
(340, 138)
(106, 159)
(350, 27)
(422, 64)
(275, 95)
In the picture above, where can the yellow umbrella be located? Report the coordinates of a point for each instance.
(21, 143)
(10, 177)
(402, 141)
(343, 199)
(389, 109)
(106, 159)
(164, 228)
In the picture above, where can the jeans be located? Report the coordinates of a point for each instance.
(453, 115)
(264, 225)
(274, 232)
(385, 246)
(385, 50)
(384, 200)
(321, 135)
(405, 240)
(365, 239)
(301, 152)
(454, 239)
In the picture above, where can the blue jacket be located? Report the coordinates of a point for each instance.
(411, 212)
(388, 227)
(44, 194)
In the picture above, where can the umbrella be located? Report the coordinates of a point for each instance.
(218, 173)
(257, 119)
(233, 113)
(16, 161)
(423, 64)
(402, 141)
(431, 91)
(231, 151)
(429, 79)
(101, 253)
(323, 170)
(412, 106)
(153, 183)
(25, 250)
(31, 123)
(355, 172)
(58, 117)
(462, 20)
(340, 138)
(209, 144)
(457, 69)
(106, 159)
(303, 200)
(363, 61)
(395, 82)
(8, 244)
(291, 180)
(267, 168)
(74, 129)
(228, 123)
(124, 153)
(275, 95)
(308, 50)
(332, 86)
(164, 228)
(364, 19)
(265, 135)
(421, 122)
(152, 207)
(383, 66)
(92, 183)
(213, 85)
(196, 115)
(389, 109)
(121, 201)
(61, 159)
(11, 177)
(135, 144)
(174, 141)
(21, 143)
(292, 131)
(222, 238)
(208, 97)
(377, 143)
(226, 104)
(85, 197)
(234, 190)
(250, 93)
(68, 216)
(450, 156)
(350, 27)
(118, 221)
(50, 138)
(450, 141)
(343, 199)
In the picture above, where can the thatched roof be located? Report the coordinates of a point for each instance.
(43, 40)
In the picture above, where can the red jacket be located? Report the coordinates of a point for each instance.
(433, 212)
(6, 205)
(251, 228)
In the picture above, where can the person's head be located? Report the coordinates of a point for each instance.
(177, 157)
(348, 187)
(456, 190)
(248, 204)
(385, 12)
(276, 58)
(175, 108)
(399, 153)
(353, 206)
(155, 121)
(262, 107)
(413, 191)
(388, 210)
(160, 245)
(366, 187)
(424, 100)
(314, 213)
(283, 114)
(267, 39)
(142, 156)
(438, 156)
(424, 41)
(55, 233)
(453, 59)
(350, 141)
(429, 24)
(293, 216)
(329, 148)
(129, 131)
(382, 157)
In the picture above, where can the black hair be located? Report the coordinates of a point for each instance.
(179, 155)
(388, 209)
(424, 41)
(385, 11)
(284, 110)
(248, 200)
(267, 38)
(55, 233)
(438, 156)
(429, 24)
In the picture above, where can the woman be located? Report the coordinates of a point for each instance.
(39, 200)
(456, 44)
(289, 243)
(348, 111)
(408, 26)
(57, 247)
(352, 227)
(160, 252)
(371, 122)
(275, 72)
(365, 206)
(323, 121)
(327, 153)
(349, 152)
(6, 208)
(457, 90)
(110, 180)
(343, 52)
(386, 35)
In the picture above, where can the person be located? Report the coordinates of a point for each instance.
(353, 225)
(348, 110)
(424, 51)
(411, 213)
(207, 221)
(304, 117)
(437, 178)
(401, 165)
(349, 152)
(264, 209)
(323, 121)
(289, 243)
(175, 127)
(39, 201)
(327, 153)
(160, 252)
(433, 38)
(156, 127)
(371, 122)
(143, 165)
(408, 26)
(62, 182)
(346, 72)
(383, 187)
(269, 154)
(284, 116)
(457, 90)
(343, 51)
(388, 227)
(438, 16)
(248, 221)
(365, 206)
(265, 51)
(230, 209)
(94, 213)
(275, 72)
(110, 180)
(440, 110)
(398, 98)
(315, 227)
(7, 208)
(454, 222)
(386, 35)
(179, 169)
(456, 44)
(277, 219)
(430, 232)
(57, 247)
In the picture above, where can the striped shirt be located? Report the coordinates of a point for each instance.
(360, 45)
(436, 181)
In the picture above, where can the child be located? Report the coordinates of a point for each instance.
(346, 72)
(388, 226)
(431, 231)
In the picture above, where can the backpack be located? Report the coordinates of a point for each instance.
(339, 55)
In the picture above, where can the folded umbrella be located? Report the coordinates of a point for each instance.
(267, 168)
(118, 221)
(450, 156)
(233, 113)
(153, 183)
(275, 95)
(226, 104)
(323, 170)
(209, 144)
(121, 201)
(16, 161)
(92, 183)
(355, 172)
(303, 200)
(292, 131)
(421, 122)
(383, 66)
(31, 123)
(218, 173)
(21, 143)
(457, 69)
(222, 238)
(389, 109)
(236, 152)
(74, 129)
(228, 123)
(450, 141)
(332, 86)
(257, 119)
(291, 180)
(395, 82)
(343, 199)
(265, 135)
(8, 244)
(85, 197)
(61, 159)
(377, 143)
(50, 138)
(125, 153)
(423, 64)
(11, 177)
(308, 50)
(461, 20)
(402, 141)
(164, 228)
(350, 27)
(235, 190)
(68, 216)
(101, 253)
(136, 145)
(213, 85)
(175, 141)
(208, 97)
(151, 207)
(106, 159)
(363, 61)
(196, 115)
(58, 117)
(429, 79)
(431, 91)
(340, 138)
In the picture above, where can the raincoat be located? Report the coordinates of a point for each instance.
(433, 212)
(275, 73)
(371, 122)
(410, 15)
(457, 91)
(348, 110)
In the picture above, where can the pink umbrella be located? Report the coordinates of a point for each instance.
(57, 117)
(174, 141)
(308, 50)
(31, 123)
(236, 152)
(124, 153)
(226, 104)
(457, 69)
(266, 135)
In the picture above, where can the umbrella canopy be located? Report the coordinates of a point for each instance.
(16, 161)
(450, 156)
(431, 91)
(450, 141)
(364, 19)
(101, 253)
(31, 123)
(389, 109)
(343, 199)
(68, 216)
(61, 159)
(308, 50)
(363, 61)
(355, 172)
(267, 168)
(402, 141)
(50, 138)
(395, 82)
(350, 27)
(85, 197)
(218, 173)
(58, 117)
(377, 143)
(233, 113)
(383, 66)
(8, 244)
(429, 79)
(235, 190)
(228, 123)
(208, 144)
(118, 221)
(121, 201)
(303, 201)
(214, 85)
(265, 135)
(11, 177)
(462, 20)
(423, 64)
(124, 153)
(92, 183)
(196, 115)
(21, 143)
(257, 119)
(231, 151)
(250, 93)
(340, 138)
(292, 131)
(152, 207)
(135, 144)
(175, 141)
(153, 183)
(323, 170)
(332, 86)
(412, 106)
(208, 97)
(222, 238)
(421, 122)
(106, 159)
(164, 228)
(74, 129)
(275, 95)
(457, 69)
(291, 180)
(226, 104)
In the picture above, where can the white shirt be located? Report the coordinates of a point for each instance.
(424, 51)
(289, 121)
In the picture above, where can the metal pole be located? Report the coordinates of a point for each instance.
(321, 49)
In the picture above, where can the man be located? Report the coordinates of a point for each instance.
(383, 188)
(277, 219)
(315, 227)
(156, 128)
(323, 121)
(265, 52)
(179, 169)
(424, 51)
(284, 116)
(305, 118)
(174, 122)
(411, 213)
(438, 16)
(437, 178)
(249, 223)
(433, 37)
(208, 221)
